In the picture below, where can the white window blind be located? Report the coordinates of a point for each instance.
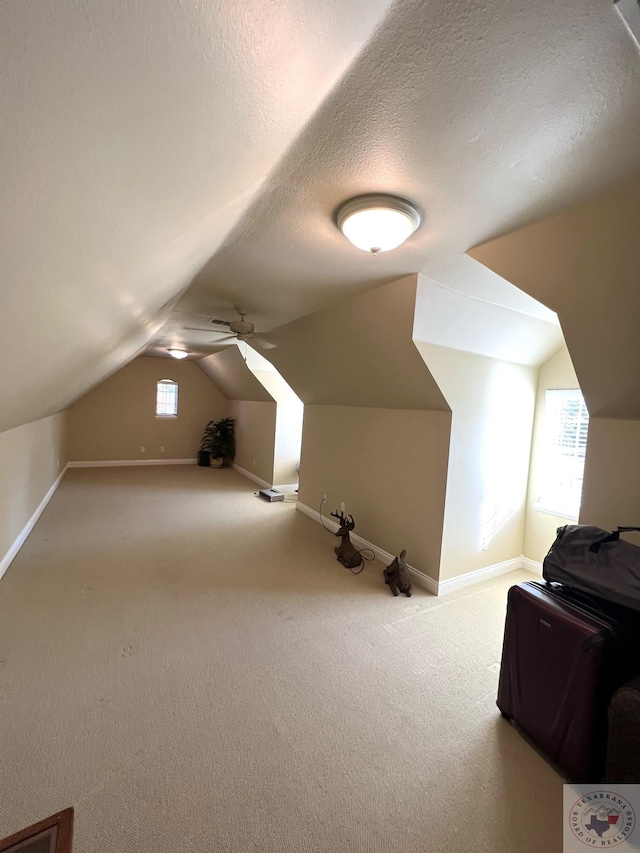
(566, 427)
(167, 399)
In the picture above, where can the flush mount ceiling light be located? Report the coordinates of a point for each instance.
(178, 353)
(377, 223)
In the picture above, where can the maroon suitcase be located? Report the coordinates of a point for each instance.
(562, 660)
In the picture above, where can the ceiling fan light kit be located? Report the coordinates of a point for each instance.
(178, 353)
(378, 223)
(242, 326)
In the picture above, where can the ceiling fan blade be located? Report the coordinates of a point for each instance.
(263, 342)
(224, 338)
(211, 327)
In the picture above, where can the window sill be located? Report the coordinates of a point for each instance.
(557, 512)
(166, 417)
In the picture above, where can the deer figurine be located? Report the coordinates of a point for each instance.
(346, 553)
(397, 575)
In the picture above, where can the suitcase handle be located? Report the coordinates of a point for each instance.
(611, 537)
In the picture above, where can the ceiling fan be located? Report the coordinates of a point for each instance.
(241, 330)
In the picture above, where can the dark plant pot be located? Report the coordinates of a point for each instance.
(204, 458)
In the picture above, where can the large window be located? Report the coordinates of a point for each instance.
(566, 424)
(167, 399)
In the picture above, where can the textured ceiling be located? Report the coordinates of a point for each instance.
(134, 134)
(487, 115)
(152, 150)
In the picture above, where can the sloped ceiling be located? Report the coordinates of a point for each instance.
(584, 263)
(488, 115)
(152, 151)
(465, 306)
(229, 371)
(358, 352)
(134, 135)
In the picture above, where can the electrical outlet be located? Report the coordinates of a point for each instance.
(162, 450)
(324, 498)
(142, 450)
(57, 463)
(342, 506)
(254, 463)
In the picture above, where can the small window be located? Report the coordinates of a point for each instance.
(566, 425)
(167, 399)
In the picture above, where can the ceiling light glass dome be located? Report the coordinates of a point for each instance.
(378, 223)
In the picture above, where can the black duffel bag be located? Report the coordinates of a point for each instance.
(595, 561)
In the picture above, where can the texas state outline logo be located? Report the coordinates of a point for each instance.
(602, 819)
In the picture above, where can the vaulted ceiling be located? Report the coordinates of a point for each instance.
(164, 162)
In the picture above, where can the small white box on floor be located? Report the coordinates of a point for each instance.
(271, 495)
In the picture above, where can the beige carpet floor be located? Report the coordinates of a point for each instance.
(191, 668)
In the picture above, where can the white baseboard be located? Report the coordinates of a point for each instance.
(479, 575)
(428, 583)
(532, 566)
(120, 463)
(26, 530)
(383, 556)
(262, 483)
(421, 579)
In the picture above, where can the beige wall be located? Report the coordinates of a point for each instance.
(255, 436)
(375, 429)
(492, 405)
(229, 372)
(358, 352)
(540, 527)
(117, 418)
(288, 434)
(31, 458)
(252, 407)
(611, 491)
(584, 263)
(289, 420)
(389, 466)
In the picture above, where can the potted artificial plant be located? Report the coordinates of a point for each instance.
(218, 445)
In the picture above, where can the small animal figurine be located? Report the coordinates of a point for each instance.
(346, 553)
(397, 576)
